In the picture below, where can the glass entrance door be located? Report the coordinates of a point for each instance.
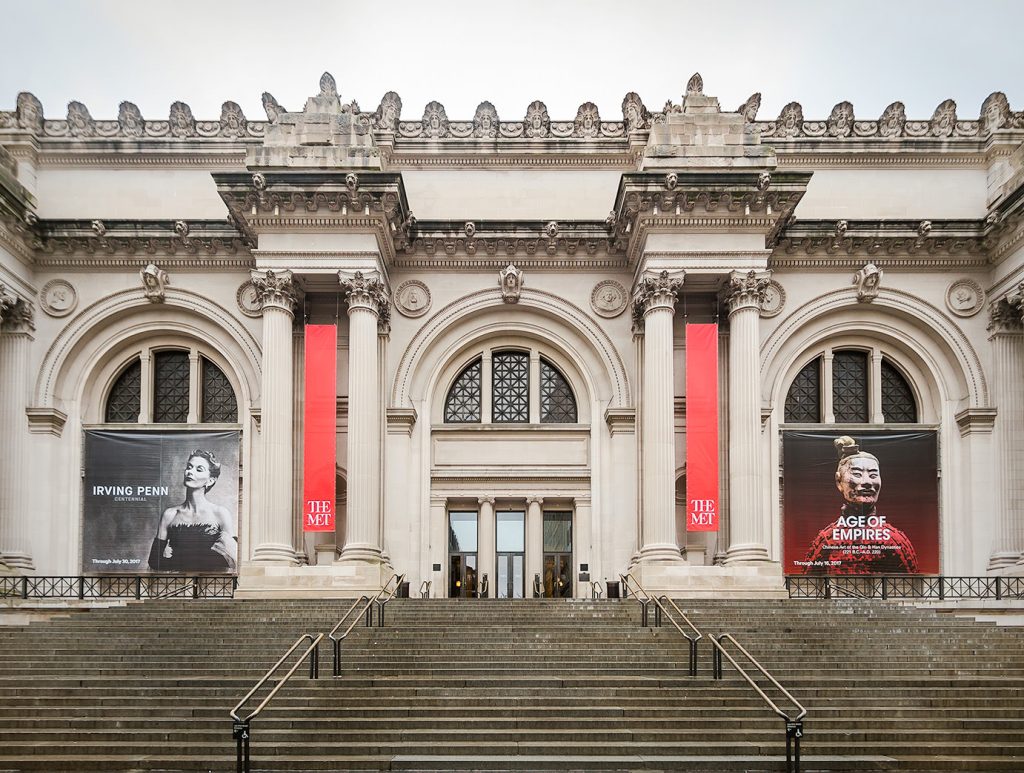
(462, 544)
(510, 539)
(558, 555)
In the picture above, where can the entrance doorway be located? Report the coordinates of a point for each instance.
(558, 555)
(510, 540)
(462, 548)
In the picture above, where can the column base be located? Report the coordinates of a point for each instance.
(680, 580)
(362, 552)
(1003, 559)
(275, 553)
(748, 553)
(17, 563)
(666, 551)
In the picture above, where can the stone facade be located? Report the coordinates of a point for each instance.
(900, 238)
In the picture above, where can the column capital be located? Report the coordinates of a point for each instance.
(275, 289)
(534, 500)
(656, 291)
(17, 315)
(1006, 315)
(747, 290)
(365, 292)
(485, 500)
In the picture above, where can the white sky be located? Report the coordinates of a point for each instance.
(564, 52)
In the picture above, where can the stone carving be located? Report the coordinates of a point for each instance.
(791, 120)
(248, 299)
(182, 124)
(943, 119)
(634, 114)
(7, 302)
(842, 226)
(129, 120)
(608, 298)
(995, 112)
(485, 121)
(352, 181)
(671, 181)
(1006, 314)
(259, 181)
(80, 123)
(154, 283)
(924, 228)
(29, 112)
(366, 291)
(840, 122)
(511, 281)
(274, 288)
(764, 179)
(98, 228)
(749, 108)
(181, 228)
(469, 229)
(232, 120)
(588, 121)
(695, 85)
(435, 120)
(745, 290)
(537, 124)
(328, 86)
(892, 120)
(412, 298)
(389, 112)
(58, 298)
(965, 297)
(551, 229)
(868, 282)
(654, 290)
(16, 314)
(772, 300)
(272, 107)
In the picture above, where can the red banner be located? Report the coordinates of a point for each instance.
(702, 427)
(320, 446)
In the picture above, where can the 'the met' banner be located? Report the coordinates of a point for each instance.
(320, 446)
(702, 427)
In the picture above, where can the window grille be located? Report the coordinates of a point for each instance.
(557, 404)
(511, 394)
(125, 399)
(803, 403)
(850, 387)
(170, 387)
(463, 403)
(219, 403)
(897, 397)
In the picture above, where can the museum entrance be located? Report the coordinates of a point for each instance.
(462, 555)
(510, 541)
(557, 576)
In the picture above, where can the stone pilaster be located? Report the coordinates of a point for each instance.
(583, 552)
(16, 327)
(748, 532)
(485, 548)
(654, 301)
(534, 542)
(274, 512)
(367, 308)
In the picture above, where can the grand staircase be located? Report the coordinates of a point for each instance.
(521, 685)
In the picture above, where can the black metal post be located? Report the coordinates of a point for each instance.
(828, 587)
(716, 663)
(24, 587)
(885, 590)
(380, 614)
(999, 589)
(337, 657)
(195, 587)
(81, 587)
(369, 616)
(794, 732)
(693, 658)
(138, 588)
(657, 616)
(314, 663)
(942, 588)
(643, 614)
(240, 731)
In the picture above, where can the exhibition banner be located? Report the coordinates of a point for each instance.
(702, 427)
(839, 519)
(159, 502)
(320, 428)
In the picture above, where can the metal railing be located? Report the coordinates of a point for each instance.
(914, 587)
(596, 590)
(241, 728)
(117, 586)
(366, 612)
(794, 724)
(646, 599)
(425, 589)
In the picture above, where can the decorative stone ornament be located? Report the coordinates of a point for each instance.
(893, 120)
(511, 281)
(98, 228)
(248, 299)
(965, 297)
(588, 121)
(943, 121)
(58, 298)
(272, 107)
(840, 122)
(182, 124)
(634, 114)
(868, 281)
(608, 298)
(412, 298)
(274, 288)
(129, 120)
(80, 123)
(29, 112)
(365, 291)
(764, 180)
(154, 283)
(485, 121)
(791, 120)
(1006, 315)
(388, 114)
(995, 112)
(537, 124)
(551, 229)
(328, 86)
(842, 226)
(656, 290)
(16, 314)
(745, 290)
(435, 120)
(749, 108)
(7, 301)
(773, 300)
(695, 85)
(232, 120)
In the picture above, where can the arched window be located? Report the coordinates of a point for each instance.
(837, 387)
(171, 386)
(509, 386)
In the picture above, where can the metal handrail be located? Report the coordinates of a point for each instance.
(381, 602)
(425, 589)
(595, 589)
(659, 610)
(794, 725)
(240, 729)
(366, 611)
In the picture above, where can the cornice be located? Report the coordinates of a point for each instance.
(558, 262)
(872, 158)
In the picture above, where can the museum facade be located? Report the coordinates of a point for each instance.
(512, 357)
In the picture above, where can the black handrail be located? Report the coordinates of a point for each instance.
(920, 587)
(241, 729)
(659, 609)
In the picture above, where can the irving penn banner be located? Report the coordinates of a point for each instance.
(320, 442)
(702, 427)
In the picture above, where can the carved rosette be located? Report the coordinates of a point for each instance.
(274, 289)
(655, 292)
(747, 290)
(16, 314)
(367, 292)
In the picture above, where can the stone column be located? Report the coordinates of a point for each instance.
(16, 328)
(534, 542)
(367, 308)
(747, 530)
(582, 550)
(275, 512)
(1007, 337)
(438, 553)
(655, 300)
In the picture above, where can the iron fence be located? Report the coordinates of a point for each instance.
(117, 587)
(931, 588)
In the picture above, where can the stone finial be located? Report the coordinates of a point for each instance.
(485, 121)
(695, 85)
(943, 122)
(389, 112)
(129, 120)
(511, 281)
(868, 281)
(536, 124)
(272, 107)
(232, 120)
(892, 120)
(328, 87)
(749, 108)
(182, 124)
(29, 112)
(80, 122)
(154, 283)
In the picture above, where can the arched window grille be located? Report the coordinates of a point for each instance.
(557, 404)
(125, 399)
(463, 403)
(219, 404)
(511, 388)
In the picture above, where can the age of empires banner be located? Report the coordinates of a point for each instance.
(160, 502)
(864, 503)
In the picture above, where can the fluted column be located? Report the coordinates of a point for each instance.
(367, 308)
(1007, 337)
(747, 531)
(274, 513)
(486, 546)
(655, 300)
(15, 510)
(534, 542)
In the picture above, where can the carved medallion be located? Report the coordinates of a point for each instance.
(412, 298)
(249, 300)
(58, 298)
(608, 298)
(774, 299)
(965, 298)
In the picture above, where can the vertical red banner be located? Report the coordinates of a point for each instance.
(320, 442)
(702, 427)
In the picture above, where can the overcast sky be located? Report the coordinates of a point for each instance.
(817, 52)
